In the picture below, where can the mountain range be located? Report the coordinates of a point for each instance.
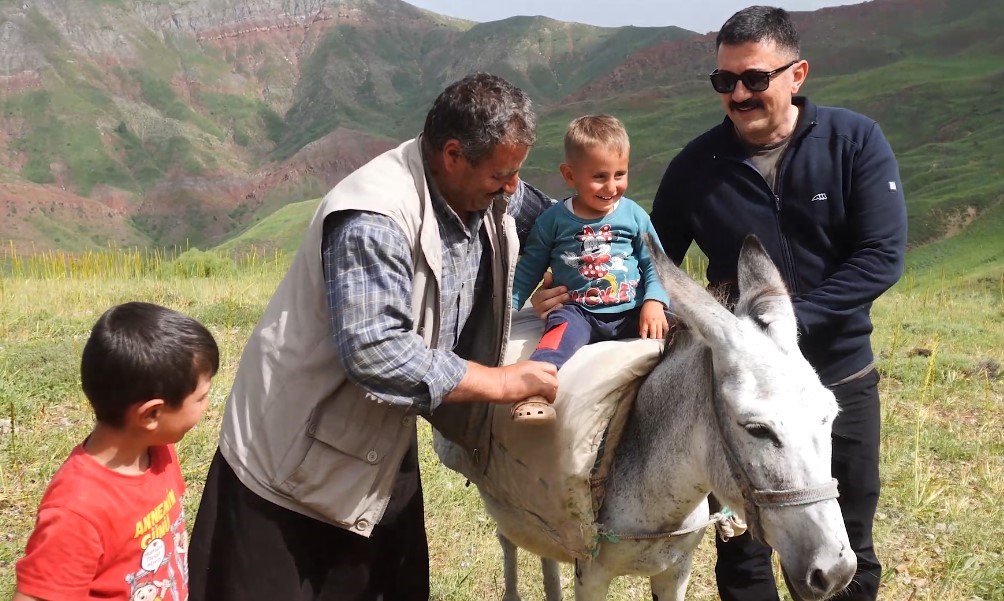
(187, 122)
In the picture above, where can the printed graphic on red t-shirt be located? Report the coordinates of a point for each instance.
(105, 535)
(164, 558)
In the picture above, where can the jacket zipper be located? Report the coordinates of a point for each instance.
(789, 259)
(789, 263)
(788, 267)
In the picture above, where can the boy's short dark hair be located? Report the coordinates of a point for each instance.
(140, 351)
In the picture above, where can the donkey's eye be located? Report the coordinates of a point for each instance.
(762, 432)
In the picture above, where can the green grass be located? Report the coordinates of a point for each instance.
(282, 230)
(943, 428)
(974, 256)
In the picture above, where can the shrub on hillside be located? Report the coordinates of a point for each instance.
(195, 263)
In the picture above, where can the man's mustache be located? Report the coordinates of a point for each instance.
(749, 103)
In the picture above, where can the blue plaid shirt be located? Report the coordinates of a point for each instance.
(368, 272)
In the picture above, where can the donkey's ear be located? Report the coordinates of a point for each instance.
(763, 295)
(757, 273)
(690, 301)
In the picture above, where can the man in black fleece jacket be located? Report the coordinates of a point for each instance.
(821, 189)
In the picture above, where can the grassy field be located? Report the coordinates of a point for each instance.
(939, 340)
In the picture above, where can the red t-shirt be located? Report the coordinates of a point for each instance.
(105, 535)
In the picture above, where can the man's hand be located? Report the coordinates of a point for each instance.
(525, 379)
(546, 298)
(652, 322)
(506, 384)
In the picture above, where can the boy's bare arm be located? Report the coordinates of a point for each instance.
(22, 597)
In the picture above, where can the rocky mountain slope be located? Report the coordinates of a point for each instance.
(160, 122)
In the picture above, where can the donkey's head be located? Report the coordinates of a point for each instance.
(775, 420)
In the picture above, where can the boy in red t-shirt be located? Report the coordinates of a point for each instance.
(111, 524)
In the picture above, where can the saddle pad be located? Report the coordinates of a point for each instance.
(537, 480)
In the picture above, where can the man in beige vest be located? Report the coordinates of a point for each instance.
(396, 305)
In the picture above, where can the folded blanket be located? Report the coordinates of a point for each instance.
(543, 484)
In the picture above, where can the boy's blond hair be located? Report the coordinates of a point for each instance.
(595, 131)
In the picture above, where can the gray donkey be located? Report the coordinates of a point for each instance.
(732, 408)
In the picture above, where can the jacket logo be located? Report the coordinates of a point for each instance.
(819, 197)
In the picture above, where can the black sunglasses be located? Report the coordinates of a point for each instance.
(725, 82)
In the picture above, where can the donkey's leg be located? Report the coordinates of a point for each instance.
(510, 568)
(552, 579)
(592, 581)
(671, 584)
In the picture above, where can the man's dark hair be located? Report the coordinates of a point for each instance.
(140, 351)
(481, 111)
(760, 24)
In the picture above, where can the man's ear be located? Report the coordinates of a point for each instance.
(800, 71)
(453, 155)
(146, 415)
(566, 172)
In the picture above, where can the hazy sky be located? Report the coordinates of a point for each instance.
(697, 15)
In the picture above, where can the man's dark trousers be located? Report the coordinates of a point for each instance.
(744, 570)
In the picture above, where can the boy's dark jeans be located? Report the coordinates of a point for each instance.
(744, 569)
(571, 327)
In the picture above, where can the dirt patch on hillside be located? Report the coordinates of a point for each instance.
(953, 222)
(956, 222)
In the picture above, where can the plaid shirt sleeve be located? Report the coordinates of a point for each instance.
(525, 206)
(368, 270)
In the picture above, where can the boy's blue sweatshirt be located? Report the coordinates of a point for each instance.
(603, 262)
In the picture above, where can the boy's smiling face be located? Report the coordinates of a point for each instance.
(599, 177)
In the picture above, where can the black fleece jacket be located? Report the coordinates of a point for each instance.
(836, 227)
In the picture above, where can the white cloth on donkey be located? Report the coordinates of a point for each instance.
(538, 478)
